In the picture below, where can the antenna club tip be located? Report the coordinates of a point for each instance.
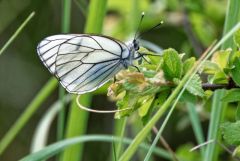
(143, 13)
(161, 22)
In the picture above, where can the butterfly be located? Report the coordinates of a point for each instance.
(84, 62)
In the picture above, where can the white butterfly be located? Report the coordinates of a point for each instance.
(83, 62)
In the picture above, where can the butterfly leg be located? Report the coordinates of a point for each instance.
(146, 60)
(142, 56)
(137, 68)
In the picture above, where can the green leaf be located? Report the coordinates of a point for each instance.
(235, 54)
(236, 152)
(210, 67)
(172, 64)
(235, 72)
(236, 38)
(231, 132)
(188, 64)
(128, 101)
(218, 78)
(221, 58)
(160, 98)
(188, 97)
(195, 86)
(146, 104)
(232, 95)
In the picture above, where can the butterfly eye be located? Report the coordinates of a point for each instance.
(135, 45)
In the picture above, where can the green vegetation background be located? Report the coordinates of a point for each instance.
(190, 26)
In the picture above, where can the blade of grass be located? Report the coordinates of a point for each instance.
(120, 127)
(76, 126)
(66, 16)
(41, 133)
(55, 148)
(96, 14)
(213, 133)
(114, 151)
(232, 18)
(144, 132)
(17, 32)
(196, 124)
(61, 115)
(28, 113)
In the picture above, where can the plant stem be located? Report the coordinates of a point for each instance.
(13, 37)
(165, 144)
(209, 86)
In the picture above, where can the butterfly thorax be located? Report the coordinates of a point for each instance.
(133, 53)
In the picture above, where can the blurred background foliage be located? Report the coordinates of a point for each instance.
(189, 27)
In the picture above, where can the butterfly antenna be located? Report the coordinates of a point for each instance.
(135, 36)
(154, 27)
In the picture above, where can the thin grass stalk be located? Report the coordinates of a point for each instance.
(66, 17)
(16, 33)
(120, 127)
(61, 115)
(82, 5)
(28, 113)
(232, 18)
(77, 120)
(144, 132)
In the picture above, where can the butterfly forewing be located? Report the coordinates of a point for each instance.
(49, 48)
(82, 63)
